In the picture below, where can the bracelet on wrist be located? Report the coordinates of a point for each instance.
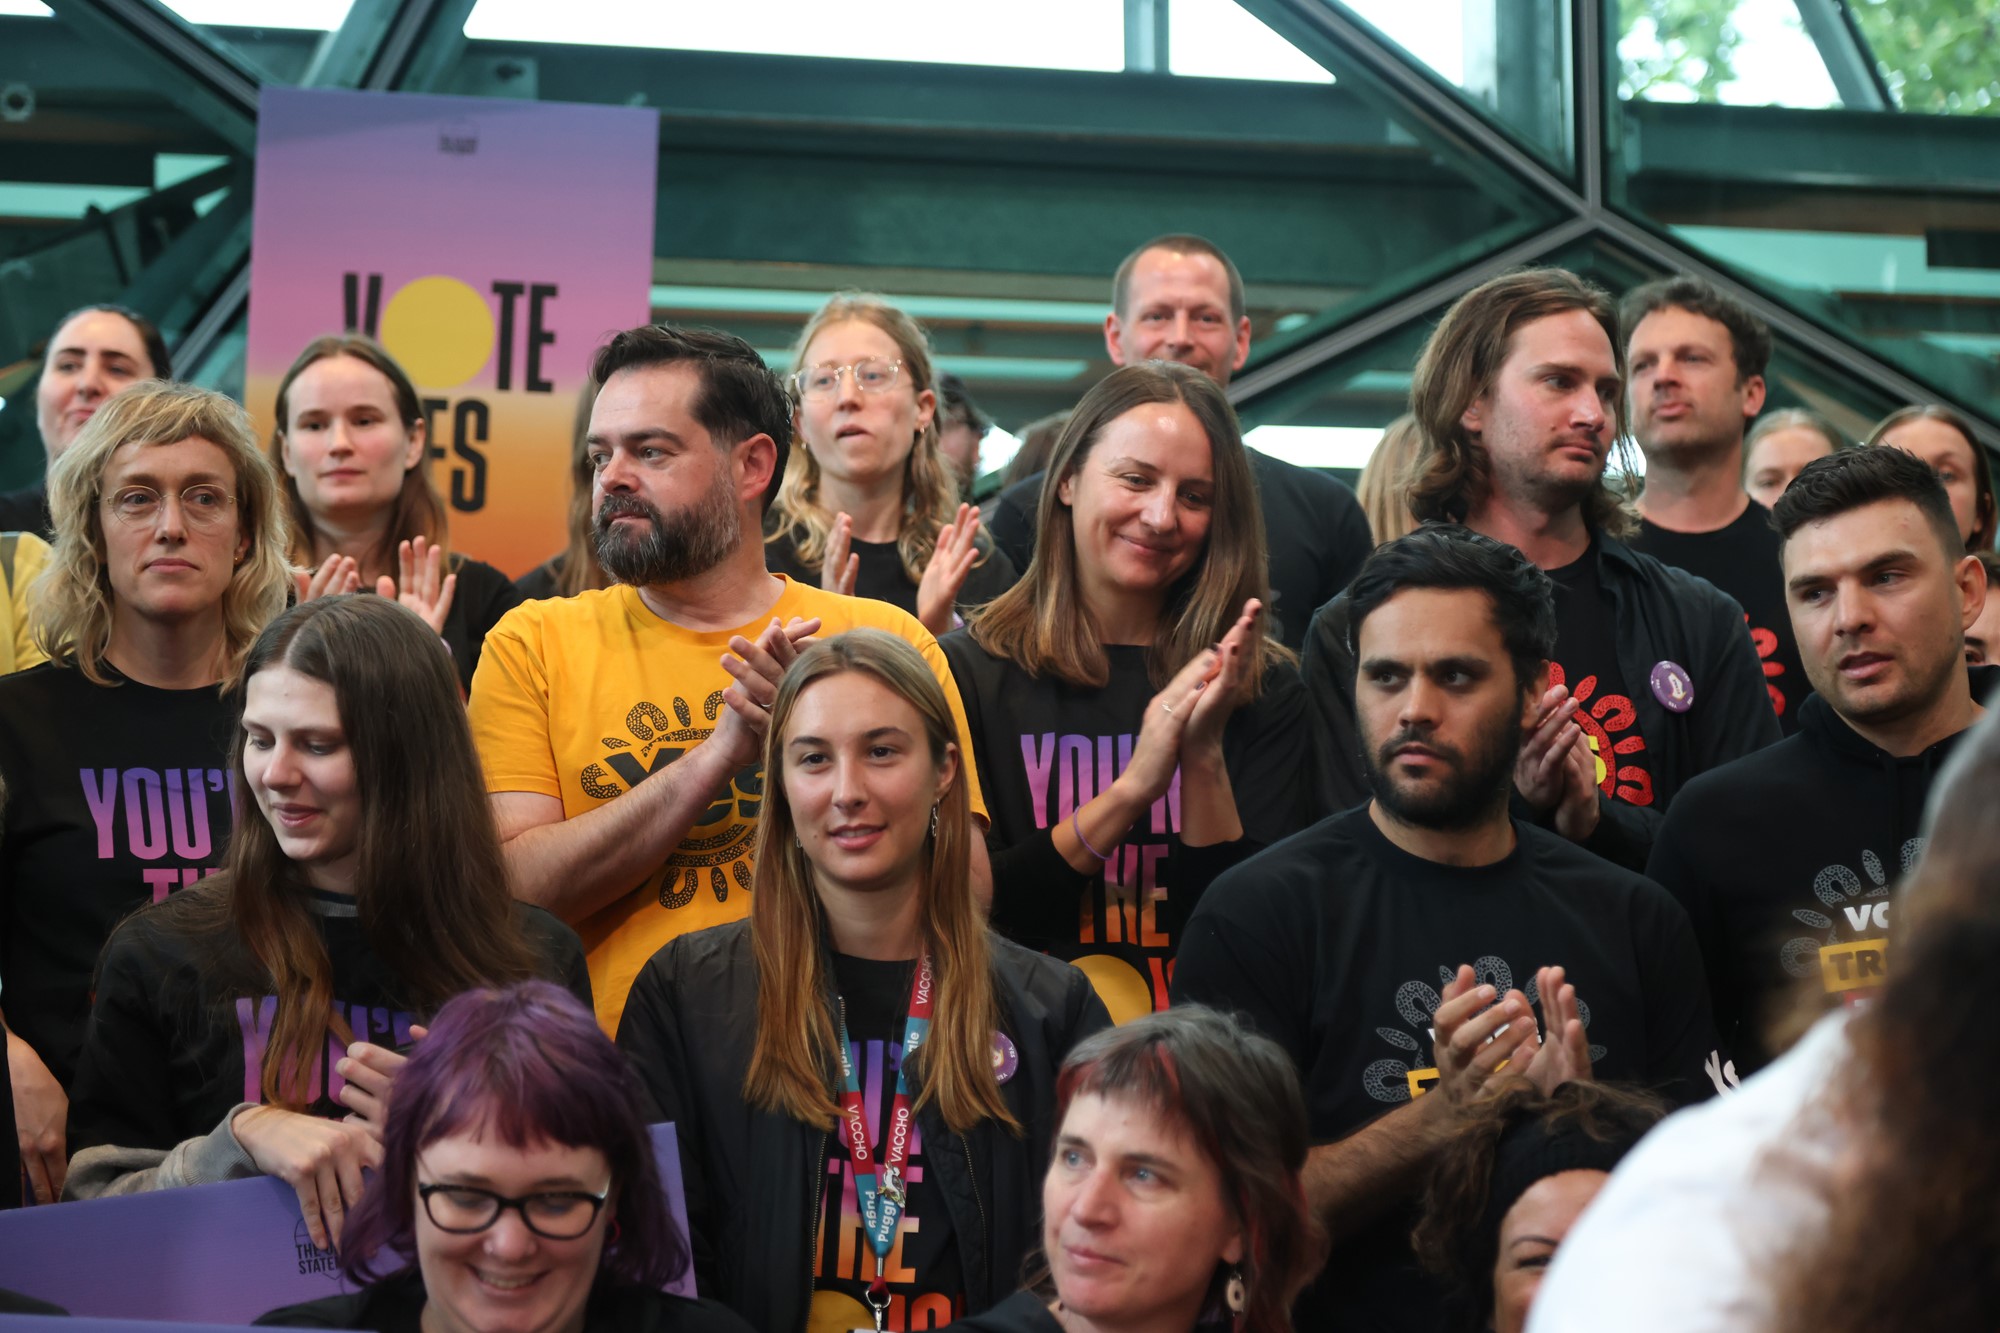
(1076, 827)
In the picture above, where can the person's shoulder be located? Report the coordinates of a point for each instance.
(476, 573)
(1743, 788)
(1288, 877)
(539, 619)
(342, 1311)
(1308, 481)
(838, 613)
(547, 933)
(45, 681)
(1555, 864)
(1023, 1312)
(715, 955)
(628, 1307)
(1689, 590)
(393, 1305)
(1036, 976)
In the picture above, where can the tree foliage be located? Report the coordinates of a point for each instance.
(1937, 56)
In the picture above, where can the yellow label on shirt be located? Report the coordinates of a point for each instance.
(1422, 1081)
(1856, 965)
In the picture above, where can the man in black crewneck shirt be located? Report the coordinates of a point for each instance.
(1520, 396)
(1787, 859)
(1384, 948)
(1179, 298)
(1697, 358)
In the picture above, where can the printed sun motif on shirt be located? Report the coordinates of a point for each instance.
(1605, 720)
(1856, 908)
(1416, 1002)
(716, 849)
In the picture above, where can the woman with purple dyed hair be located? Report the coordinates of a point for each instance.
(517, 1191)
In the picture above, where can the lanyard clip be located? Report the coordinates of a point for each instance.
(878, 1301)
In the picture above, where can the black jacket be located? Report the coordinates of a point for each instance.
(396, 1305)
(1662, 614)
(752, 1176)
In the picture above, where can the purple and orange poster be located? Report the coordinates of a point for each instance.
(490, 244)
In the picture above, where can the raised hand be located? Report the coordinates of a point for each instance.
(1157, 752)
(320, 1159)
(837, 568)
(1539, 770)
(370, 1072)
(756, 669)
(424, 586)
(1216, 698)
(950, 563)
(1563, 1053)
(1471, 1040)
(1576, 811)
(336, 574)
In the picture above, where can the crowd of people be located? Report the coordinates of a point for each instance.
(1176, 893)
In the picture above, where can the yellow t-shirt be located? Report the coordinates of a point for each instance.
(581, 697)
(24, 554)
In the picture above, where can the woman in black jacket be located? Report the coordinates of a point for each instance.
(824, 1180)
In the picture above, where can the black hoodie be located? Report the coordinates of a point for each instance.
(1785, 860)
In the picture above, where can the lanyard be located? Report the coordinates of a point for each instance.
(883, 1197)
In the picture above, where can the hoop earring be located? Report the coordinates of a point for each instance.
(1234, 1294)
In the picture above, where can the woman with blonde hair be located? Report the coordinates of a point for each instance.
(351, 441)
(1385, 481)
(169, 559)
(1124, 691)
(868, 507)
(777, 1046)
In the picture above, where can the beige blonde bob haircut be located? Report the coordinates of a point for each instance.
(73, 612)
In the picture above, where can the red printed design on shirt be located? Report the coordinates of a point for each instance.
(1610, 725)
(1767, 653)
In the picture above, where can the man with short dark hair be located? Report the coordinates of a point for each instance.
(1519, 394)
(1697, 357)
(622, 730)
(961, 428)
(1399, 952)
(1787, 859)
(1179, 298)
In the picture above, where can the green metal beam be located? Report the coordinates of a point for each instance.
(201, 75)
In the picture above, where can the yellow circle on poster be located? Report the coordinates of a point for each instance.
(440, 329)
(1124, 992)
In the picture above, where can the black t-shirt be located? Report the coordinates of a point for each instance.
(167, 1053)
(1046, 748)
(1587, 661)
(541, 582)
(483, 595)
(116, 795)
(881, 577)
(1023, 1312)
(1316, 536)
(396, 1305)
(926, 1280)
(1337, 944)
(1787, 861)
(1742, 560)
(27, 510)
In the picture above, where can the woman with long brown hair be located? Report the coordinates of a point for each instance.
(1946, 440)
(352, 442)
(573, 569)
(777, 1046)
(1123, 695)
(169, 558)
(869, 507)
(364, 888)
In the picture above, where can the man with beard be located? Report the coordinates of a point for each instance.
(622, 730)
(1787, 860)
(1655, 678)
(1697, 359)
(1400, 952)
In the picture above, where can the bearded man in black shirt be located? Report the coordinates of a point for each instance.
(1519, 394)
(1400, 952)
(1787, 860)
(1697, 360)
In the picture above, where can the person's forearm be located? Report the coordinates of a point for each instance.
(1208, 803)
(1106, 819)
(1351, 1182)
(576, 866)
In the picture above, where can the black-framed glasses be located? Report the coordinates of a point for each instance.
(465, 1210)
(202, 506)
(871, 375)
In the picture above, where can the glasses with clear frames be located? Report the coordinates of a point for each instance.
(202, 506)
(871, 375)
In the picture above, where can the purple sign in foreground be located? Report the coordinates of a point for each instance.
(211, 1254)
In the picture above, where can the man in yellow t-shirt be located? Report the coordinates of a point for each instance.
(665, 677)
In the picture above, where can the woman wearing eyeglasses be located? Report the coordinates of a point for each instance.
(365, 514)
(234, 1026)
(517, 1191)
(868, 506)
(169, 557)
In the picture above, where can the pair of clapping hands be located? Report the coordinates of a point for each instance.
(1476, 1030)
(323, 1159)
(421, 583)
(937, 593)
(1556, 771)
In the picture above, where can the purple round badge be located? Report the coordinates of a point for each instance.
(1005, 1058)
(1672, 687)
